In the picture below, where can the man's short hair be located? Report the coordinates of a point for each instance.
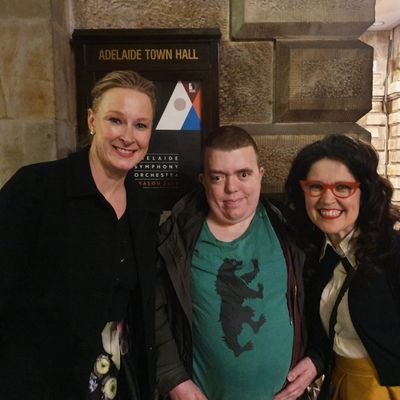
(229, 137)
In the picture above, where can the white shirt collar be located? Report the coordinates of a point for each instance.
(345, 248)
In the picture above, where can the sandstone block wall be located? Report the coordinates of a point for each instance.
(40, 113)
(36, 83)
(260, 87)
(383, 121)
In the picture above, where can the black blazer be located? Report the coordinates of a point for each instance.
(58, 261)
(374, 306)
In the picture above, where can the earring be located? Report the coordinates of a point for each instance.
(91, 132)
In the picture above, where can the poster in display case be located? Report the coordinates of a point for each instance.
(183, 64)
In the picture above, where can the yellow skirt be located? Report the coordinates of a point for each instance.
(357, 379)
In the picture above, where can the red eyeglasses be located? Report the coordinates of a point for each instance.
(339, 189)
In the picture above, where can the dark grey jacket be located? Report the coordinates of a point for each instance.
(178, 236)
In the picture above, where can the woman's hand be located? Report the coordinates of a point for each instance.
(299, 378)
(186, 391)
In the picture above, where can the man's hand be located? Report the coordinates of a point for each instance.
(299, 377)
(186, 391)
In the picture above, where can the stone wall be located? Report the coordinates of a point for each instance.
(260, 40)
(393, 109)
(383, 121)
(36, 83)
(290, 71)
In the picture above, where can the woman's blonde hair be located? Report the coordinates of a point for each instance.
(123, 79)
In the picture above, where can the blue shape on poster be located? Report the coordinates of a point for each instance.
(192, 121)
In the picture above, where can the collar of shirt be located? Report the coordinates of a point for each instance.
(345, 248)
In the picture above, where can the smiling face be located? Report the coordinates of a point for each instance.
(122, 124)
(232, 183)
(334, 216)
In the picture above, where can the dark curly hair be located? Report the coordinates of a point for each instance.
(377, 215)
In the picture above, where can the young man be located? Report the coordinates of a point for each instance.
(228, 312)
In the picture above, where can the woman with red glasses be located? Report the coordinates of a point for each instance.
(341, 211)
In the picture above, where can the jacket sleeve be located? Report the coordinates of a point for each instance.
(318, 348)
(396, 273)
(20, 211)
(170, 369)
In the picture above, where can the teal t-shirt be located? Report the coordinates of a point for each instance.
(242, 334)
